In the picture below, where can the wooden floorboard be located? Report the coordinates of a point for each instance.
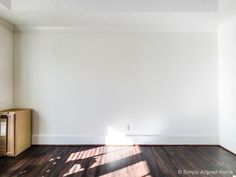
(120, 161)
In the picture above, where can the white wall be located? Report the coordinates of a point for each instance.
(6, 3)
(79, 84)
(6, 68)
(227, 65)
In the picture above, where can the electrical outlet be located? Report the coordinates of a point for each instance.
(127, 127)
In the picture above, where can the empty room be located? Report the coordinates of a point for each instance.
(121, 88)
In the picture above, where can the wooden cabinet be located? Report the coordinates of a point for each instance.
(18, 131)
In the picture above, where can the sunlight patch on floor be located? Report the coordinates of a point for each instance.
(128, 152)
(84, 154)
(138, 169)
(74, 169)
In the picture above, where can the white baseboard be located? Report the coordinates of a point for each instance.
(227, 144)
(131, 139)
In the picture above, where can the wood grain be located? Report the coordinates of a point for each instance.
(122, 161)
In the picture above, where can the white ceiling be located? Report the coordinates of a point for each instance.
(116, 12)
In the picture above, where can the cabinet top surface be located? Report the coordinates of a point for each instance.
(14, 110)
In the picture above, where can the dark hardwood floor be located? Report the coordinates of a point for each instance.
(122, 161)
